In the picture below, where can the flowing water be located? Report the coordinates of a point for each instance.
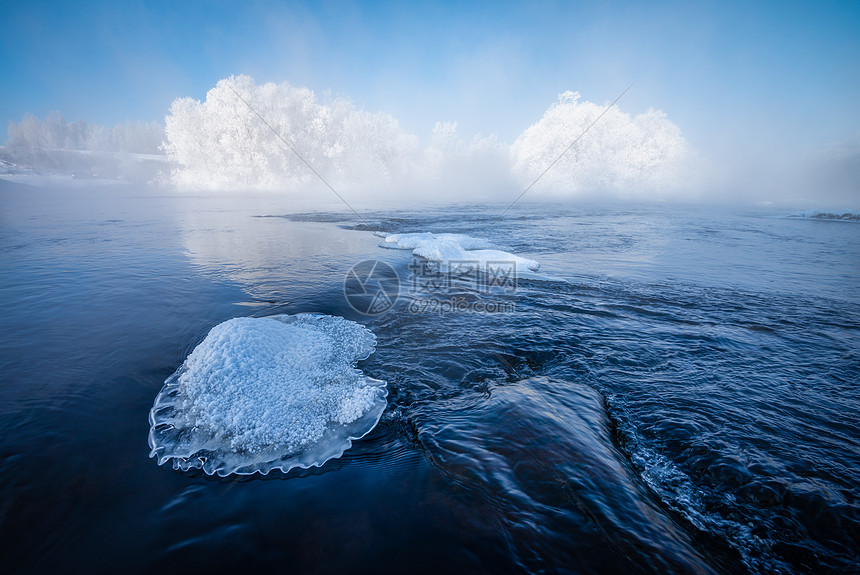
(677, 394)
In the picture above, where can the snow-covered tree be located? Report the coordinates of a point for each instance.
(619, 153)
(54, 133)
(222, 142)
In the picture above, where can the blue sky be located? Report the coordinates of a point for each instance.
(782, 77)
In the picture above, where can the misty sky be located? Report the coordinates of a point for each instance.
(744, 76)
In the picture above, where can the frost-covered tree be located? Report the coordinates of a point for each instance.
(28, 133)
(58, 147)
(54, 133)
(620, 153)
(221, 142)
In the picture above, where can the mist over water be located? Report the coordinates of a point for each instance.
(239, 138)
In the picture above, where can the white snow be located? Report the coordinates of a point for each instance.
(457, 250)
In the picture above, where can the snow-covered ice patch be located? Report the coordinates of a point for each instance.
(267, 393)
(458, 251)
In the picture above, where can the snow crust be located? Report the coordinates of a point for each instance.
(457, 250)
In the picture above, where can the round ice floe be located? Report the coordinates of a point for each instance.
(267, 393)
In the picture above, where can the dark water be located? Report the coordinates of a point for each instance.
(686, 401)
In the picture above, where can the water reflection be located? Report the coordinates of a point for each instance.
(274, 259)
